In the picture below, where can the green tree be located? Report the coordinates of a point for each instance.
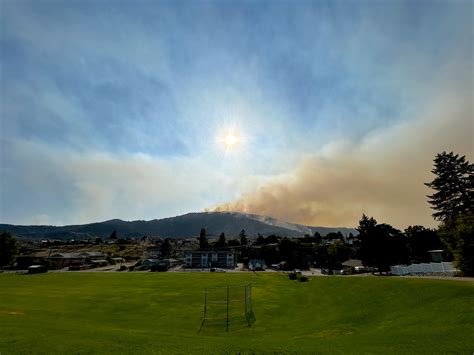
(317, 237)
(366, 225)
(243, 237)
(269, 253)
(458, 236)
(166, 249)
(260, 240)
(420, 240)
(222, 241)
(453, 185)
(367, 232)
(334, 236)
(9, 248)
(287, 250)
(453, 201)
(272, 239)
(113, 235)
(381, 245)
(337, 253)
(203, 243)
(233, 243)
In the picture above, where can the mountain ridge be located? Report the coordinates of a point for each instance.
(181, 226)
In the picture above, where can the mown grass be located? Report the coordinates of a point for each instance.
(85, 313)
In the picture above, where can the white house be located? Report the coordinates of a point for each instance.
(209, 258)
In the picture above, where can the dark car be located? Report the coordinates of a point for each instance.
(326, 272)
(37, 269)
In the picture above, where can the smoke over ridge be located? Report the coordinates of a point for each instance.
(382, 176)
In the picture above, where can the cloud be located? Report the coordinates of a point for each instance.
(402, 99)
(381, 176)
(41, 184)
(110, 110)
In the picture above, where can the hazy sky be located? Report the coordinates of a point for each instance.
(121, 109)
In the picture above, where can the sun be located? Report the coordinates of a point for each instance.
(231, 139)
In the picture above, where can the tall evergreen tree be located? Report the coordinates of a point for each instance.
(166, 250)
(367, 234)
(243, 237)
(113, 235)
(203, 243)
(453, 201)
(453, 185)
(9, 248)
(222, 241)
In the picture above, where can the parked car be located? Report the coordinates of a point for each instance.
(37, 269)
(360, 269)
(216, 269)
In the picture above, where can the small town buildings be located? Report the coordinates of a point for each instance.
(352, 263)
(257, 264)
(61, 260)
(156, 264)
(163, 264)
(353, 266)
(99, 262)
(223, 258)
(93, 255)
(148, 263)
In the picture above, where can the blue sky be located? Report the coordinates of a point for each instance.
(112, 109)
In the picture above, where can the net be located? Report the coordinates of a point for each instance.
(228, 307)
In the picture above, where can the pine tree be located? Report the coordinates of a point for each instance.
(9, 248)
(453, 201)
(453, 185)
(243, 237)
(222, 241)
(203, 243)
(113, 235)
(166, 250)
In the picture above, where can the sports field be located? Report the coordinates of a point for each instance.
(86, 313)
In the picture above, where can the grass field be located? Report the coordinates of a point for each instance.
(161, 313)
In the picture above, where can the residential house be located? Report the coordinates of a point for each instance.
(223, 258)
(61, 260)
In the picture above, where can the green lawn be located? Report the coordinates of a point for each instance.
(161, 313)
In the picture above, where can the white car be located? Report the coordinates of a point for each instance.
(216, 269)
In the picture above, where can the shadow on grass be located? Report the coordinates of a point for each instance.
(215, 326)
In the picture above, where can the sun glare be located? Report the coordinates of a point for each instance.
(229, 139)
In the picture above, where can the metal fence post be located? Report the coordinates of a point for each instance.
(227, 323)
